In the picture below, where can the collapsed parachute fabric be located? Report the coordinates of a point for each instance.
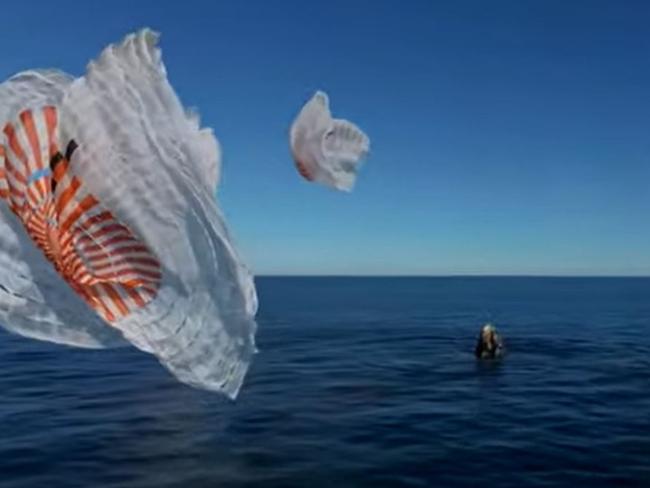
(109, 229)
(327, 150)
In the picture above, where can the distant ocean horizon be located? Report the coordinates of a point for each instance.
(541, 276)
(359, 382)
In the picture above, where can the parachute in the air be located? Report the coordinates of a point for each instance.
(324, 149)
(109, 228)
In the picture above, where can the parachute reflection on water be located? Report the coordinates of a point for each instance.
(109, 229)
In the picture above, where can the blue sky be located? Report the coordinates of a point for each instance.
(508, 137)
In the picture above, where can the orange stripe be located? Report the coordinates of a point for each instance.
(46, 184)
(111, 229)
(119, 251)
(37, 223)
(81, 276)
(91, 242)
(36, 226)
(67, 252)
(135, 296)
(73, 264)
(87, 242)
(116, 298)
(117, 240)
(95, 219)
(32, 136)
(16, 192)
(50, 124)
(96, 297)
(16, 209)
(84, 295)
(304, 172)
(38, 237)
(149, 275)
(33, 198)
(14, 172)
(136, 283)
(105, 246)
(86, 204)
(66, 239)
(15, 145)
(99, 218)
(67, 195)
(85, 279)
(138, 248)
(150, 291)
(48, 211)
(60, 170)
(39, 234)
(127, 261)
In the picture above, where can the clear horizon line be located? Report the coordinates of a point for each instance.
(316, 275)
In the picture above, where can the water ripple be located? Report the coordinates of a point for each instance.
(360, 382)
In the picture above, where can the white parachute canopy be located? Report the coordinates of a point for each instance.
(324, 149)
(109, 228)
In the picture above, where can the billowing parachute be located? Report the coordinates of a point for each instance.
(327, 150)
(109, 228)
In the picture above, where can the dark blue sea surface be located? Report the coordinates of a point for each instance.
(360, 382)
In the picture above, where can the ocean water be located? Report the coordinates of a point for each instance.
(360, 382)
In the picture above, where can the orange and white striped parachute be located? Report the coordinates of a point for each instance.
(109, 229)
(324, 149)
